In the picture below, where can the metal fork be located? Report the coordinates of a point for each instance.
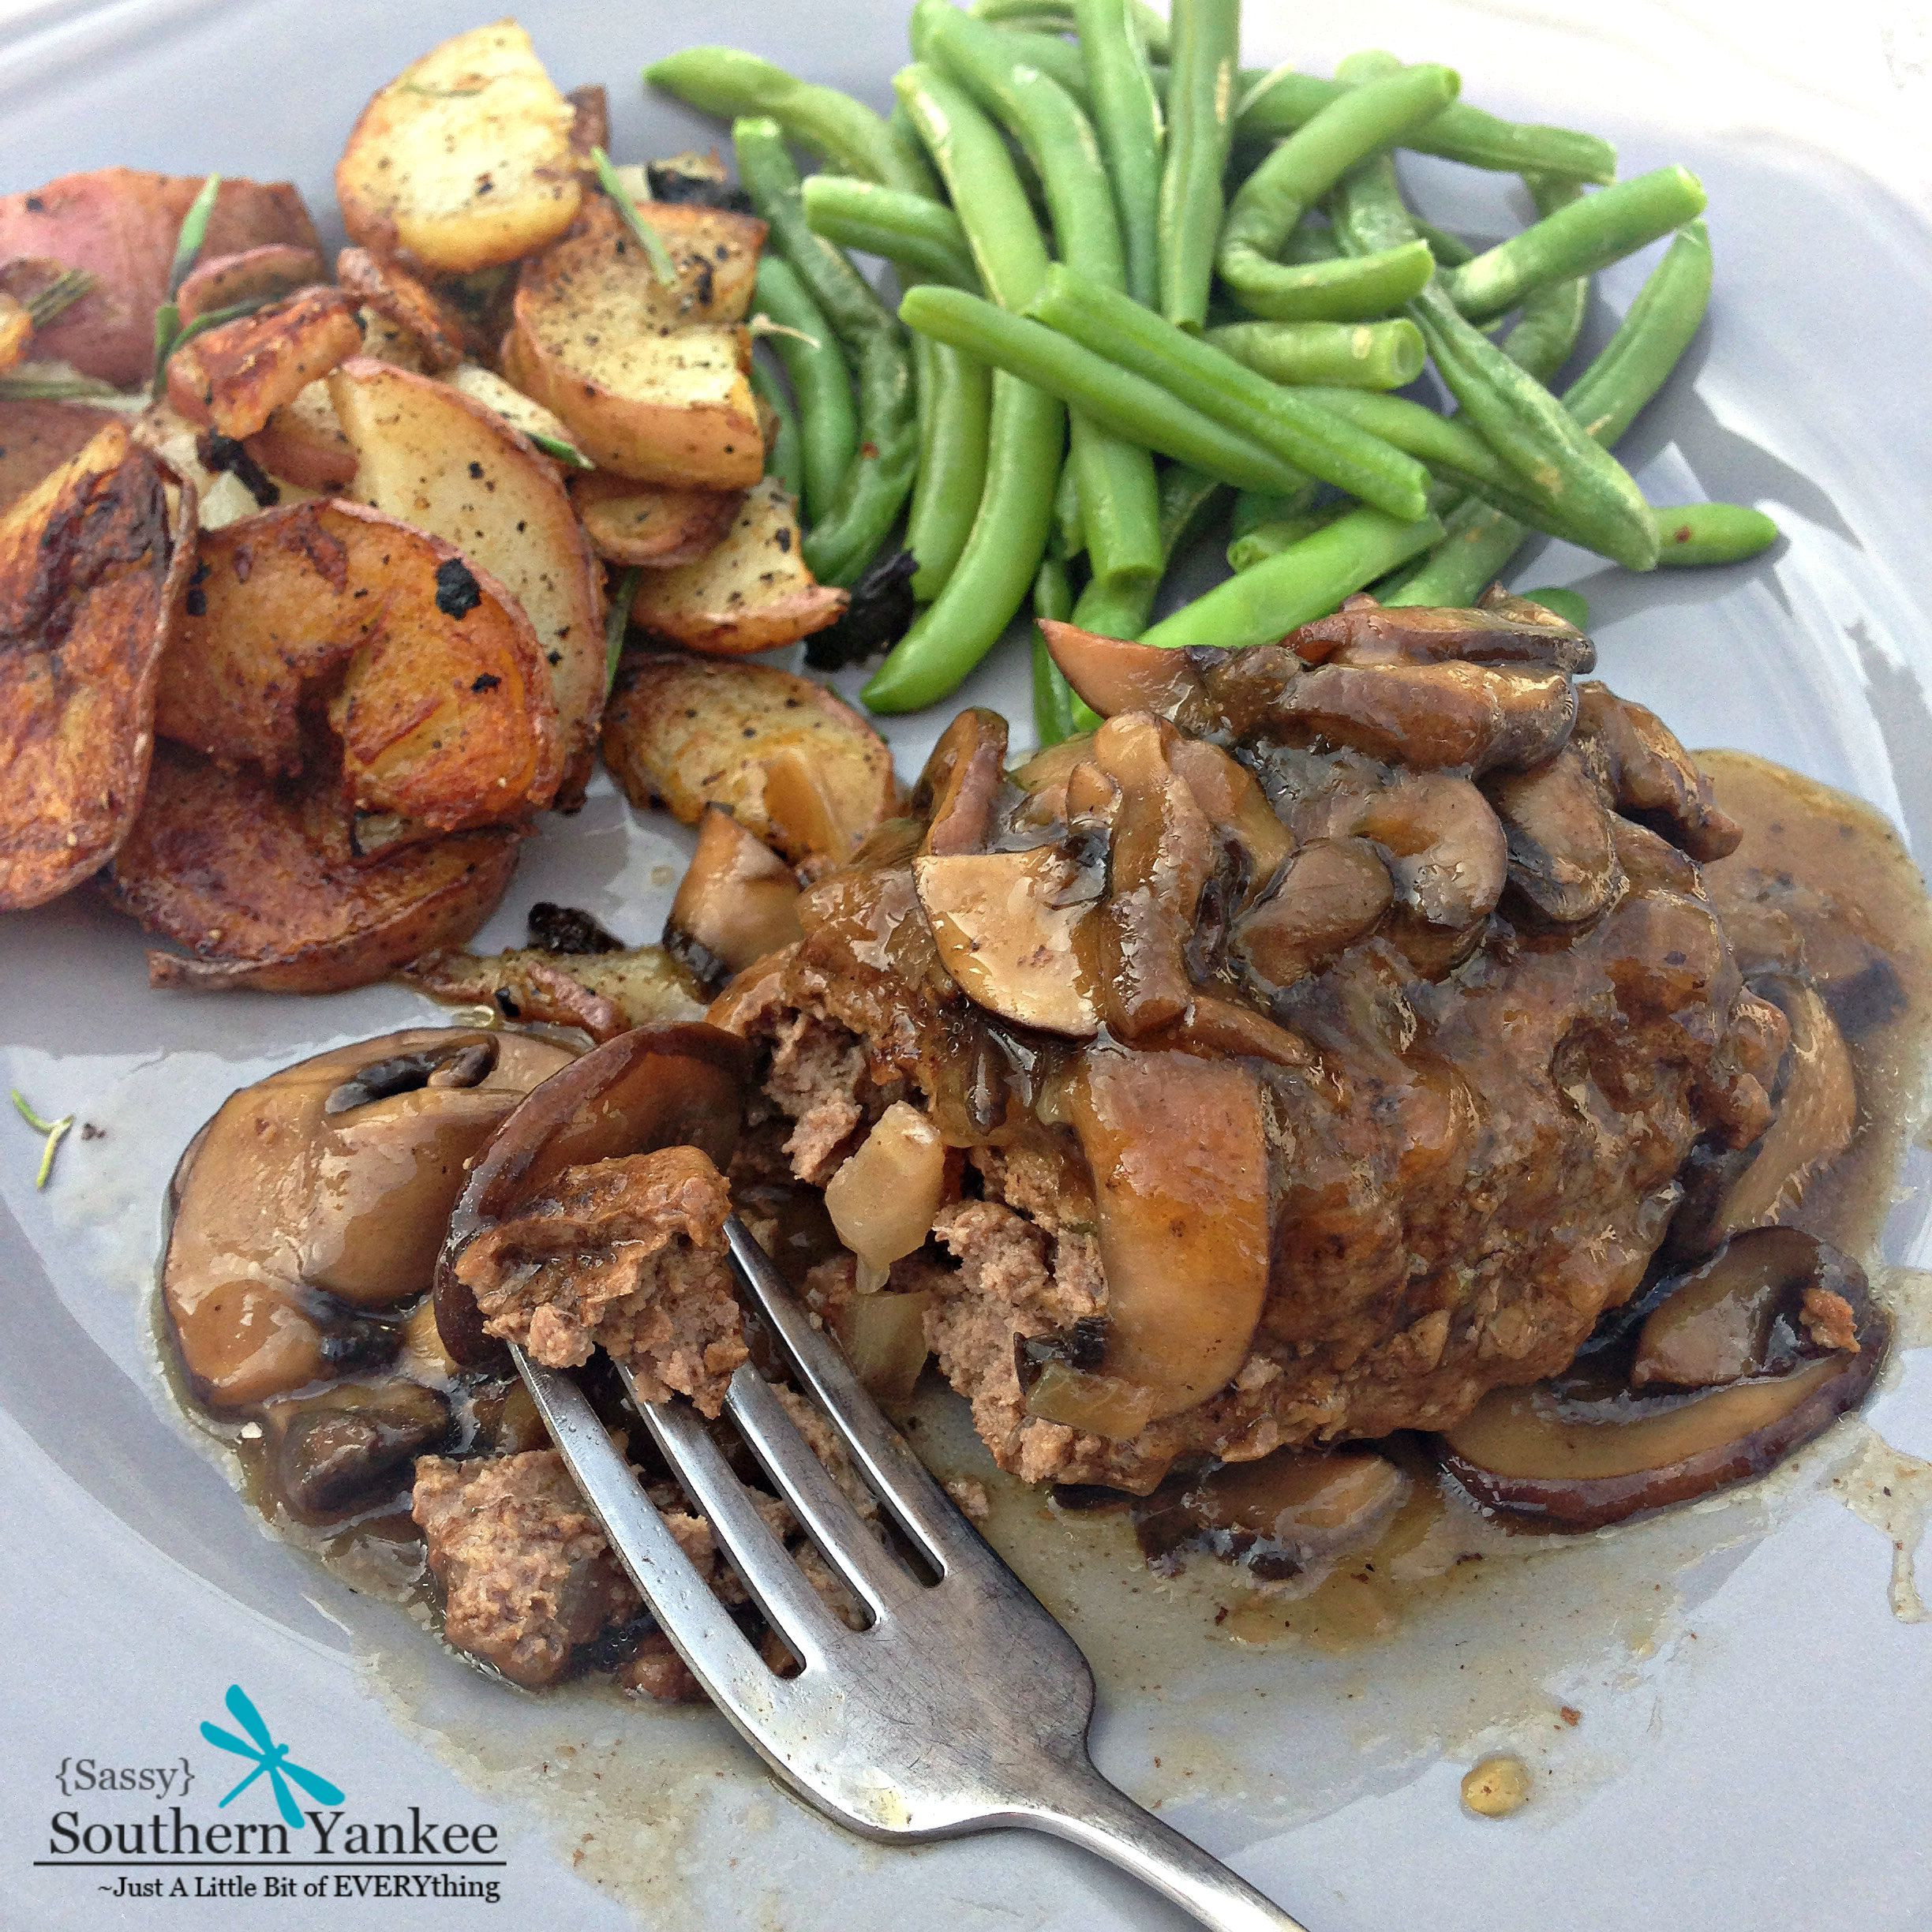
(963, 1706)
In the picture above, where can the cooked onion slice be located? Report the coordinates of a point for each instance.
(883, 1198)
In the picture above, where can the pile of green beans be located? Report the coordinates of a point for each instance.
(1134, 278)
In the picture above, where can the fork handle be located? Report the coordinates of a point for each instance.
(1089, 1811)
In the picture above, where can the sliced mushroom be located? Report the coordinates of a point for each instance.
(654, 1086)
(1334, 893)
(1504, 630)
(961, 784)
(1817, 1112)
(1578, 1456)
(1648, 775)
(1177, 1147)
(1446, 848)
(1228, 1029)
(1562, 861)
(737, 901)
(338, 1450)
(1113, 676)
(1161, 852)
(290, 1216)
(1017, 932)
(1237, 806)
(1757, 1307)
(1432, 716)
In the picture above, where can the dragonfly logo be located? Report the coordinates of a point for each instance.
(270, 1759)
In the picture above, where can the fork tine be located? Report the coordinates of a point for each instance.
(778, 1587)
(923, 1509)
(700, 1628)
(849, 1544)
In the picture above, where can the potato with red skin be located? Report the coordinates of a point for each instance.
(388, 289)
(120, 225)
(443, 704)
(258, 880)
(94, 569)
(37, 437)
(270, 273)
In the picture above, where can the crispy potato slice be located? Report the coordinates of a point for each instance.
(256, 879)
(36, 438)
(606, 994)
(121, 226)
(446, 464)
(16, 331)
(443, 707)
(656, 524)
(464, 160)
(263, 274)
(237, 375)
(304, 443)
(752, 592)
(652, 380)
(94, 564)
(388, 289)
(794, 765)
(519, 411)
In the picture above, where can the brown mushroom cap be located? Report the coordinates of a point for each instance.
(324, 1190)
(654, 1086)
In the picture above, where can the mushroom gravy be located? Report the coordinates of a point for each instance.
(1427, 1541)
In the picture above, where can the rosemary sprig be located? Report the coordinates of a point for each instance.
(55, 382)
(567, 453)
(61, 293)
(648, 238)
(55, 1132)
(187, 246)
(617, 622)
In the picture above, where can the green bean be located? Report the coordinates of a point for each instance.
(1572, 606)
(1200, 126)
(828, 421)
(1059, 60)
(1052, 697)
(1450, 251)
(1649, 343)
(1552, 316)
(957, 398)
(1252, 508)
(1070, 534)
(1311, 438)
(1279, 533)
(1125, 404)
(1711, 532)
(994, 572)
(1127, 116)
(1346, 288)
(1119, 510)
(1053, 595)
(1303, 582)
(1060, 17)
(845, 133)
(1279, 102)
(1354, 355)
(1187, 497)
(877, 480)
(785, 457)
(919, 237)
(1312, 241)
(1266, 209)
(1589, 233)
(1512, 413)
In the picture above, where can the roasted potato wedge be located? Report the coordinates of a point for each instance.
(121, 226)
(446, 464)
(604, 993)
(750, 592)
(656, 524)
(257, 880)
(464, 160)
(266, 274)
(94, 566)
(652, 380)
(796, 765)
(304, 443)
(237, 375)
(389, 290)
(36, 438)
(519, 411)
(16, 331)
(440, 694)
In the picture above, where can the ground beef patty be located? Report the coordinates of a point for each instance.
(1476, 1101)
(626, 1255)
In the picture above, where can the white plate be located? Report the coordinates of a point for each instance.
(1751, 1745)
